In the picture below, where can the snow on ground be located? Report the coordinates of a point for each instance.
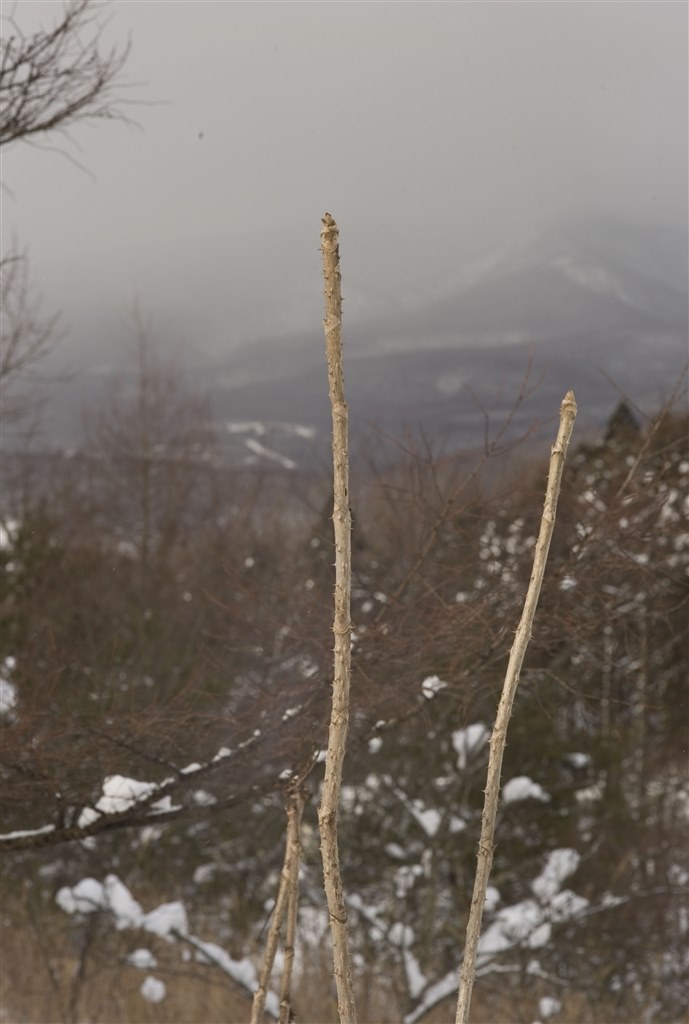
(521, 787)
(428, 818)
(578, 760)
(432, 685)
(8, 698)
(492, 899)
(143, 959)
(8, 533)
(153, 989)
(250, 427)
(203, 799)
(589, 794)
(168, 921)
(529, 922)
(548, 1006)
(85, 897)
(260, 449)
(8, 691)
(204, 873)
(524, 925)
(559, 866)
(467, 742)
(402, 936)
(261, 429)
(442, 989)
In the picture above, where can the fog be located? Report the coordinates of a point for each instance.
(434, 133)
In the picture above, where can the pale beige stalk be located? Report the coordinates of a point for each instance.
(287, 902)
(568, 412)
(259, 1000)
(295, 809)
(339, 718)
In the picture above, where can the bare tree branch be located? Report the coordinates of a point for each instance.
(58, 76)
(25, 335)
(49, 81)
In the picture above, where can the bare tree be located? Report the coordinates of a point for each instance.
(25, 334)
(49, 81)
(58, 76)
(154, 439)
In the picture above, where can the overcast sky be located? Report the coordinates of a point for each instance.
(431, 131)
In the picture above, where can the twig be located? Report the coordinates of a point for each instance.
(295, 810)
(285, 903)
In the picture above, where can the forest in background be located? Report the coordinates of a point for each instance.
(166, 679)
(166, 623)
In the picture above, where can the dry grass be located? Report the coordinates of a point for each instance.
(52, 973)
(38, 986)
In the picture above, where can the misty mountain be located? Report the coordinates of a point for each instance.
(569, 281)
(601, 280)
(600, 307)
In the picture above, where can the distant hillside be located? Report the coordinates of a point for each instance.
(598, 307)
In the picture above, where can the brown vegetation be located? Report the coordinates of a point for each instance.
(167, 619)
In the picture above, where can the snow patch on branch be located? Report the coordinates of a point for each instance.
(119, 794)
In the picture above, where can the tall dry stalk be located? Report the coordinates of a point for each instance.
(286, 903)
(339, 717)
(568, 412)
(295, 809)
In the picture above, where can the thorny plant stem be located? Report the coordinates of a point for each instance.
(259, 1000)
(295, 809)
(339, 718)
(285, 903)
(568, 412)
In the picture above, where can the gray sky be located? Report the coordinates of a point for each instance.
(432, 132)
